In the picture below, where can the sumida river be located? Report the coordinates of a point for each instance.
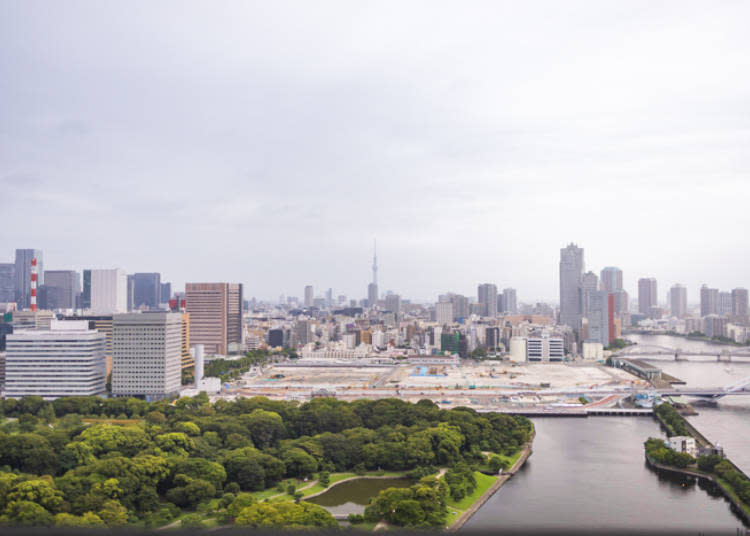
(589, 474)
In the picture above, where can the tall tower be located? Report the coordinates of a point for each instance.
(571, 286)
(372, 288)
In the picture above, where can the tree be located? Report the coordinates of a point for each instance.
(408, 513)
(176, 443)
(113, 513)
(26, 513)
(285, 514)
(299, 463)
(38, 491)
(191, 521)
(265, 427)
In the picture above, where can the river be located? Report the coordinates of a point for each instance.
(589, 474)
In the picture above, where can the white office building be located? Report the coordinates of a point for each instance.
(109, 291)
(544, 347)
(444, 313)
(66, 360)
(147, 354)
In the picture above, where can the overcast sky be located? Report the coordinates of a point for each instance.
(270, 142)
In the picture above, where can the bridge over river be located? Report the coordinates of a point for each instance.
(654, 351)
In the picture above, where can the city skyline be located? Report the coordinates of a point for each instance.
(460, 133)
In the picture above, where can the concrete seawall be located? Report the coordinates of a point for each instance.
(504, 477)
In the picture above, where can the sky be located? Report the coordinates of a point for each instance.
(270, 143)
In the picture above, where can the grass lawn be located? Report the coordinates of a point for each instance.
(483, 484)
(510, 459)
(734, 495)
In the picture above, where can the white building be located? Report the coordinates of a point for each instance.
(593, 350)
(683, 444)
(518, 349)
(147, 354)
(66, 360)
(109, 291)
(544, 347)
(444, 313)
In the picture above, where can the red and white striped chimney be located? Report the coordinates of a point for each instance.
(33, 283)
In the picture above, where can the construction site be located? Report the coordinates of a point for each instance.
(485, 385)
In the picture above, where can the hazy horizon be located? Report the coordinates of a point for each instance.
(269, 144)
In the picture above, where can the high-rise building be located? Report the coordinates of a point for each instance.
(7, 282)
(187, 358)
(85, 301)
(109, 291)
(146, 290)
(309, 296)
(66, 360)
(393, 303)
(589, 284)
(215, 315)
(647, 295)
(709, 300)
(460, 306)
(500, 302)
(303, 332)
(166, 292)
(600, 317)
(329, 297)
(510, 301)
(130, 292)
(444, 313)
(724, 304)
(678, 301)
(739, 302)
(68, 287)
(487, 297)
(23, 275)
(147, 354)
(611, 278)
(102, 324)
(571, 295)
(372, 295)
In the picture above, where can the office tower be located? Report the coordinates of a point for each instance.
(444, 313)
(739, 302)
(147, 354)
(7, 282)
(647, 295)
(329, 297)
(601, 317)
(500, 302)
(678, 301)
(32, 320)
(66, 360)
(130, 292)
(724, 304)
(611, 278)
(487, 297)
(620, 301)
(510, 300)
(309, 296)
(68, 285)
(102, 324)
(709, 300)
(303, 332)
(393, 303)
(275, 338)
(85, 300)
(109, 291)
(372, 295)
(23, 275)
(146, 290)
(460, 306)
(166, 292)
(215, 315)
(571, 275)
(589, 284)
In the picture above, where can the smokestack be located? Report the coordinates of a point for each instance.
(33, 283)
(198, 363)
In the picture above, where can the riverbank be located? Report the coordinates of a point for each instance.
(462, 518)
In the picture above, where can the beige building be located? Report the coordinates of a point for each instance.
(215, 311)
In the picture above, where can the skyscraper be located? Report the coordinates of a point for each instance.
(510, 301)
(571, 274)
(611, 278)
(444, 313)
(166, 292)
(724, 304)
(589, 284)
(68, 283)
(393, 303)
(309, 296)
(647, 295)
(487, 297)
(23, 275)
(109, 291)
(709, 300)
(146, 290)
(147, 354)
(215, 315)
(739, 302)
(7, 282)
(372, 288)
(678, 301)
(600, 316)
(85, 301)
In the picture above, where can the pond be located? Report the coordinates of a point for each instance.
(351, 496)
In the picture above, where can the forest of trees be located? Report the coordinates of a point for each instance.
(88, 461)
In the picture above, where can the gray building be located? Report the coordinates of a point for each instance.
(309, 296)
(571, 295)
(372, 295)
(85, 300)
(66, 360)
(647, 295)
(510, 301)
(724, 304)
(678, 301)
(487, 298)
(146, 290)
(709, 300)
(166, 292)
(7, 282)
(303, 332)
(598, 317)
(611, 278)
(23, 275)
(739, 302)
(64, 287)
(589, 284)
(147, 354)
(393, 303)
